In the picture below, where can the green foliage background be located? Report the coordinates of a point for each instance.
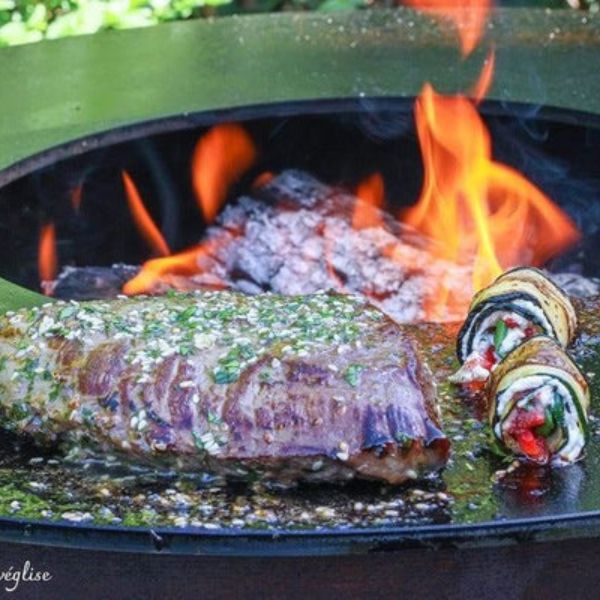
(23, 21)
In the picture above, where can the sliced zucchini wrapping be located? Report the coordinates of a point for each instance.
(519, 304)
(538, 403)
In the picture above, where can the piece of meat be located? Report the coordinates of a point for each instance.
(322, 387)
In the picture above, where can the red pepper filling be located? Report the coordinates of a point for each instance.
(489, 358)
(521, 428)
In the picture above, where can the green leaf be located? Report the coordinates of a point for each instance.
(337, 5)
(38, 19)
(14, 297)
(500, 335)
(558, 411)
(548, 427)
(16, 32)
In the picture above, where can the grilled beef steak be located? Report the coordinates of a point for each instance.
(322, 387)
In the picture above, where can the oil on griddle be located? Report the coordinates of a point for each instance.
(476, 485)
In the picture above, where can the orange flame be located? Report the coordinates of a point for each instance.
(484, 82)
(468, 16)
(471, 205)
(219, 160)
(47, 255)
(166, 270)
(142, 219)
(372, 193)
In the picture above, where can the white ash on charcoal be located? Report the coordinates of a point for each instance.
(296, 235)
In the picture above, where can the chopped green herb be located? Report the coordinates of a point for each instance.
(66, 312)
(213, 419)
(352, 374)
(186, 314)
(55, 390)
(265, 375)
(198, 441)
(222, 376)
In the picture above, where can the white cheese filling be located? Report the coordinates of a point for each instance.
(483, 328)
(484, 338)
(474, 368)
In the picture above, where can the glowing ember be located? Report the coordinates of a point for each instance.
(47, 256)
(368, 212)
(468, 16)
(474, 207)
(220, 158)
(77, 197)
(263, 179)
(142, 219)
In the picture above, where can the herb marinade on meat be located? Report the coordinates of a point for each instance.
(319, 387)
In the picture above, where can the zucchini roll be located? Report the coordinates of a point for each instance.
(538, 403)
(519, 304)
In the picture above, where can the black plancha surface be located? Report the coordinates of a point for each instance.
(478, 497)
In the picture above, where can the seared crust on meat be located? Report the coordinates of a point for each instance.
(320, 387)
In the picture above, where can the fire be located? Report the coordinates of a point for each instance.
(472, 206)
(166, 270)
(142, 219)
(220, 158)
(484, 81)
(372, 193)
(47, 255)
(478, 216)
(468, 16)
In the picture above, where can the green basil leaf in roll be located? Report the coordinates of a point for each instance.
(538, 403)
(518, 305)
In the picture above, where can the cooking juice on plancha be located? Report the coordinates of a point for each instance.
(476, 485)
(115, 491)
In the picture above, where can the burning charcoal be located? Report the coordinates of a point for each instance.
(296, 235)
(89, 283)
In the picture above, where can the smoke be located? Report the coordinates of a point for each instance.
(557, 158)
(379, 124)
